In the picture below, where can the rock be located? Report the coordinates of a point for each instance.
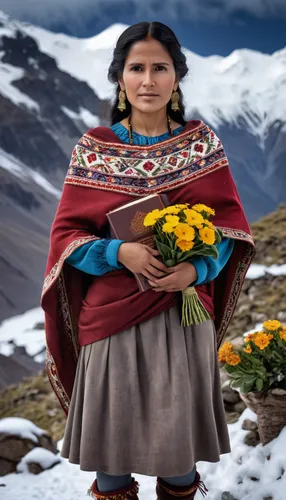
(238, 341)
(45, 441)
(224, 377)
(258, 317)
(252, 438)
(13, 448)
(7, 466)
(239, 407)
(249, 425)
(232, 417)
(38, 460)
(35, 468)
(226, 495)
(243, 308)
(281, 316)
(230, 395)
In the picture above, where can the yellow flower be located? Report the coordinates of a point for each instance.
(149, 220)
(272, 324)
(207, 235)
(193, 217)
(167, 227)
(262, 340)
(182, 205)
(200, 207)
(184, 232)
(152, 217)
(208, 223)
(172, 219)
(184, 245)
(248, 349)
(225, 351)
(173, 209)
(163, 212)
(234, 360)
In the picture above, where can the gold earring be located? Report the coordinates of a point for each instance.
(122, 98)
(175, 101)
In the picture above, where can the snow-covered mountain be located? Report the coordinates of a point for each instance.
(53, 87)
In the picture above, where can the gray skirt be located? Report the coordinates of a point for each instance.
(148, 401)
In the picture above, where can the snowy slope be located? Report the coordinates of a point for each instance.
(246, 473)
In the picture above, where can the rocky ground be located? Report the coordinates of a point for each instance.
(262, 298)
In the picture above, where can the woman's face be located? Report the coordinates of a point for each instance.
(149, 76)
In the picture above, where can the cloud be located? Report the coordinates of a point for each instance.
(76, 12)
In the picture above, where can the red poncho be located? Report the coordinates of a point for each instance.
(104, 174)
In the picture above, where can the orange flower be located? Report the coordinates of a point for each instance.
(248, 349)
(250, 336)
(283, 333)
(272, 324)
(262, 340)
(225, 351)
(234, 360)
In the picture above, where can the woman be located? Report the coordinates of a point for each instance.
(142, 393)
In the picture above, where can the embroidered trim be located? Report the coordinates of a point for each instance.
(236, 234)
(56, 274)
(54, 379)
(124, 493)
(236, 287)
(89, 140)
(142, 170)
(64, 311)
(55, 271)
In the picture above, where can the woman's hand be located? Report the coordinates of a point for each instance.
(180, 276)
(140, 258)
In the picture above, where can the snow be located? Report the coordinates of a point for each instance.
(22, 428)
(21, 330)
(45, 458)
(248, 473)
(258, 270)
(19, 169)
(84, 115)
(9, 74)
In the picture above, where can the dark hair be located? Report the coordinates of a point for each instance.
(168, 39)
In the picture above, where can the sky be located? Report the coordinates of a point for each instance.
(206, 27)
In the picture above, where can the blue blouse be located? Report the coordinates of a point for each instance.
(100, 256)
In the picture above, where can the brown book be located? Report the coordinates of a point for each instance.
(126, 223)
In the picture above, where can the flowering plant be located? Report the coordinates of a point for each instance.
(261, 364)
(181, 232)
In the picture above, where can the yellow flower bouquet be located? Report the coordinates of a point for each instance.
(181, 232)
(260, 364)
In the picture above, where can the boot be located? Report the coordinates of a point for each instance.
(166, 491)
(128, 492)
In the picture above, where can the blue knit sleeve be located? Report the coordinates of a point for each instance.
(208, 268)
(96, 257)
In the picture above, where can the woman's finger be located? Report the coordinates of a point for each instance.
(156, 273)
(148, 275)
(158, 264)
(151, 250)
